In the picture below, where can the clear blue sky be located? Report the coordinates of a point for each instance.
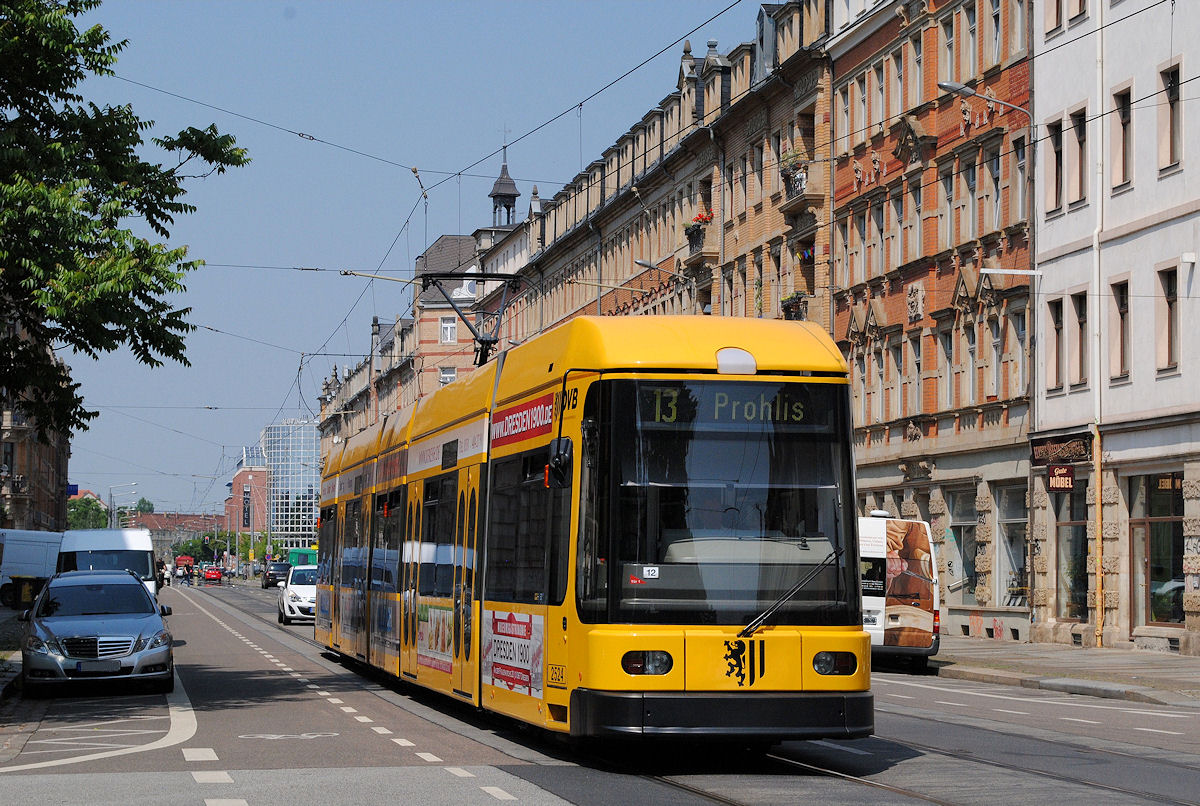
(386, 86)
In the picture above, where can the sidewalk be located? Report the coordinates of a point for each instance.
(10, 649)
(1124, 674)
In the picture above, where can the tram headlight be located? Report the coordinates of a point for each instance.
(647, 661)
(835, 663)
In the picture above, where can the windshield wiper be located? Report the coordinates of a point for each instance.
(762, 617)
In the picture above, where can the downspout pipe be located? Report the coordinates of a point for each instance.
(1097, 279)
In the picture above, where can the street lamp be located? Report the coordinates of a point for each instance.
(111, 508)
(690, 281)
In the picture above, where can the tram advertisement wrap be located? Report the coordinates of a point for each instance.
(435, 637)
(512, 651)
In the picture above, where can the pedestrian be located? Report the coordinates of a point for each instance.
(187, 575)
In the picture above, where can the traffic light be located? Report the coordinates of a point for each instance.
(206, 540)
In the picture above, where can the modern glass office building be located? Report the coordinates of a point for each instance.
(293, 460)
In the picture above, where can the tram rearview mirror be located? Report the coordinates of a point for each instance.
(558, 469)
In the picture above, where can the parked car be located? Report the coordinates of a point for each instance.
(274, 573)
(96, 625)
(298, 594)
(212, 574)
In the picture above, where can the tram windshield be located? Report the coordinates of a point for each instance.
(706, 501)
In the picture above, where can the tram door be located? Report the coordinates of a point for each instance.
(335, 578)
(466, 661)
(409, 560)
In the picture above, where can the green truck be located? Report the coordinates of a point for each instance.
(302, 556)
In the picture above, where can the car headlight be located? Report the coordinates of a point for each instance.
(294, 597)
(161, 638)
(40, 647)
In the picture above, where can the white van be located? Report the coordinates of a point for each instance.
(109, 549)
(900, 596)
(25, 554)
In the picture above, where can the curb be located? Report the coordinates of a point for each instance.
(1069, 685)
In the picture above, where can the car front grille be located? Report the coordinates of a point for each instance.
(97, 647)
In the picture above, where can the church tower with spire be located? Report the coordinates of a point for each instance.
(504, 197)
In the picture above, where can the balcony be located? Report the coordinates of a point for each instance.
(702, 245)
(805, 187)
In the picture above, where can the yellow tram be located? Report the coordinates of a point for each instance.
(625, 526)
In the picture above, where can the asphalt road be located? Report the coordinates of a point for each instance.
(260, 716)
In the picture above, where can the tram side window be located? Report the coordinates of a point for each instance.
(519, 530)
(352, 538)
(437, 542)
(326, 533)
(389, 512)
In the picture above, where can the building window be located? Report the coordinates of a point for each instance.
(896, 230)
(1018, 325)
(844, 101)
(759, 187)
(1120, 330)
(916, 402)
(997, 39)
(1020, 180)
(997, 358)
(877, 239)
(858, 257)
(916, 93)
(879, 412)
(970, 211)
(994, 208)
(1170, 121)
(970, 370)
(1168, 320)
(947, 342)
(1054, 184)
(1156, 539)
(897, 397)
(1016, 26)
(1079, 306)
(878, 113)
(1070, 533)
(449, 330)
(898, 82)
(1012, 525)
(1054, 15)
(861, 119)
(1122, 170)
(861, 366)
(843, 245)
(447, 375)
(946, 210)
(960, 564)
(1054, 367)
(971, 45)
(914, 240)
(947, 71)
(1079, 165)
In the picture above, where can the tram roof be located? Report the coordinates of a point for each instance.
(362, 446)
(688, 343)
(454, 402)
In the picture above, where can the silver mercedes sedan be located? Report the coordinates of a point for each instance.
(92, 626)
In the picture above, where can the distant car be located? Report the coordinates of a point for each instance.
(212, 574)
(298, 596)
(274, 573)
(96, 625)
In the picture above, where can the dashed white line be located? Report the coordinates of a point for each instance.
(214, 777)
(497, 793)
(333, 700)
(900, 696)
(381, 731)
(428, 757)
(403, 742)
(845, 749)
(956, 704)
(1085, 721)
(1006, 711)
(364, 719)
(224, 802)
(1152, 730)
(199, 754)
(347, 709)
(460, 772)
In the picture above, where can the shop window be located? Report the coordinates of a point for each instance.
(1156, 537)
(1071, 521)
(1012, 525)
(961, 576)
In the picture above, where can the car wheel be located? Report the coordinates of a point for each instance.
(284, 619)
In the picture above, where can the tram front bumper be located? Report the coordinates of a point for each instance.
(717, 715)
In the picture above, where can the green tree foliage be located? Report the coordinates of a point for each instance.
(86, 513)
(144, 506)
(73, 273)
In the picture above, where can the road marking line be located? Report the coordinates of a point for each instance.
(312, 685)
(364, 719)
(215, 777)
(497, 793)
(1006, 711)
(199, 754)
(1168, 732)
(334, 700)
(460, 772)
(299, 678)
(958, 704)
(224, 802)
(381, 731)
(288, 669)
(403, 742)
(428, 757)
(1085, 721)
(900, 696)
(348, 709)
(842, 747)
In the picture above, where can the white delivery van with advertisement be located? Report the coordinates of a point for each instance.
(900, 587)
(111, 550)
(28, 554)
